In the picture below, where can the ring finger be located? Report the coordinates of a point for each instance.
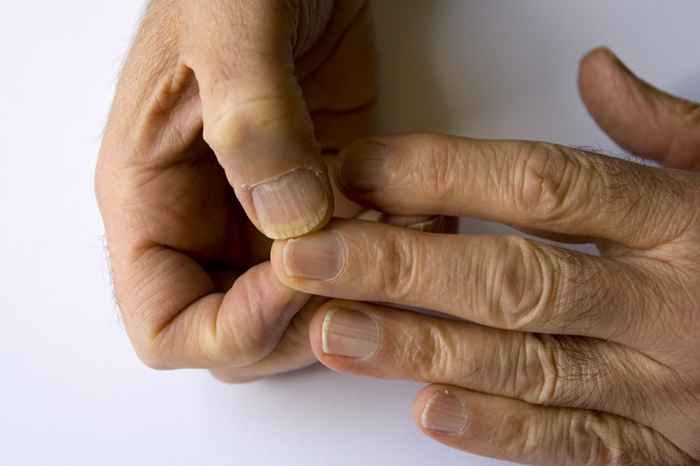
(569, 372)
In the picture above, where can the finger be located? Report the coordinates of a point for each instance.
(527, 184)
(501, 281)
(516, 431)
(176, 317)
(640, 118)
(255, 119)
(555, 371)
(293, 351)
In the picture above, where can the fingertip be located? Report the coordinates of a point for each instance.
(599, 53)
(598, 71)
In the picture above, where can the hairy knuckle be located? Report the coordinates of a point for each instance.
(524, 284)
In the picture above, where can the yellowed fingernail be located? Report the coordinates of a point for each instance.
(291, 205)
(444, 413)
(352, 334)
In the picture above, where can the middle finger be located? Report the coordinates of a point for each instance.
(501, 281)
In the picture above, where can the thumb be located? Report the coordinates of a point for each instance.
(254, 115)
(640, 118)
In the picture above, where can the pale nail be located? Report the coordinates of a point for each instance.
(351, 334)
(444, 413)
(290, 205)
(318, 256)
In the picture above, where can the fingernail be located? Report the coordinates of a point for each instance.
(444, 413)
(423, 223)
(317, 257)
(370, 215)
(364, 166)
(352, 334)
(290, 205)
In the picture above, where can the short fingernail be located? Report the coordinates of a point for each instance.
(318, 256)
(444, 413)
(352, 334)
(291, 205)
(364, 166)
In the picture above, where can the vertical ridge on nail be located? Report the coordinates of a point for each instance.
(444, 413)
(351, 334)
(292, 204)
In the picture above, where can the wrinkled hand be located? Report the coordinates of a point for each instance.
(555, 357)
(221, 115)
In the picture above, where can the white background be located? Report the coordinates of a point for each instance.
(71, 390)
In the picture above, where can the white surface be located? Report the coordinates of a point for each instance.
(71, 390)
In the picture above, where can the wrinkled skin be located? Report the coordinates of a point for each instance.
(191, 271)
(553, 357)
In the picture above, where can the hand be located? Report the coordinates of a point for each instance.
(552, 356)
(212, 134)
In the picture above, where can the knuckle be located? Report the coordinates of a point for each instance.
(524, 285)
(254, 343)
(438, 353)
(550, 182)
(236, 126)
(593, 439)
(421, 352)
(548, 355)
(597, 438)
(396, 260)
(537, 377)
(245, 340)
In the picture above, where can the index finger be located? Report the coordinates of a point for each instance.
(527, 184)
